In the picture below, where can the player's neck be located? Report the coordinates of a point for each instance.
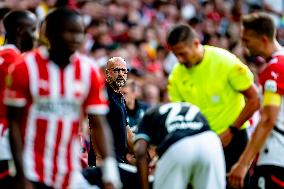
(274, 47)
(59, 58)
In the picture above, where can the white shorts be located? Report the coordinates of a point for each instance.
(5, 152)
(196, 160)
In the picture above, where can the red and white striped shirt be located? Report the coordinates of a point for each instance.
(55, 101)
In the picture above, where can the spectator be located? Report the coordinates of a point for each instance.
(258, 35)
(45, 104)
(173, 127)
(20, 29)
(135, 108)
(151, 94)
(216, 81)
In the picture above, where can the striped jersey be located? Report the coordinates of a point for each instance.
(55, 101)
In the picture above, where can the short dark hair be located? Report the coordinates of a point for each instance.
(181, 33)
(14, 19)
(56, 18)
(259, 22)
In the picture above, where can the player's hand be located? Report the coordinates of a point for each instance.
(109, 186)
(237, 175)
(226, 137)
(111, 177)
(152, 165)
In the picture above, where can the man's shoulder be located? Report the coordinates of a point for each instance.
(9, 54)
(217, 53)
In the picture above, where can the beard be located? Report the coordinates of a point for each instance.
(117, 83)
(120, 82)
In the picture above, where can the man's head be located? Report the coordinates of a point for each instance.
(184, 43)
(116, 72)
(20, 26)
(258, 33)
(65, 30)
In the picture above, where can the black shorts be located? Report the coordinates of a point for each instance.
(267, 177)
(6, 181)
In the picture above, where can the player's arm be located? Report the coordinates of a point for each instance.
(14, 116)
(140, 150)
(15, 99)
(269, 113)
(252, 104)
(241, 79)
(101, 135)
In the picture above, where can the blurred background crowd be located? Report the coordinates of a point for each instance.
(136, 30)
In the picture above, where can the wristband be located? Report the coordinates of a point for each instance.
(110, 172)
(234, 130)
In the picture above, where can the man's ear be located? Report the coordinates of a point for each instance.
(196, 42)
(265, 40)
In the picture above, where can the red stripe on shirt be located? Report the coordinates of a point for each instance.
(39, 146)
(62, 89)
(56, 150)
(74, 136)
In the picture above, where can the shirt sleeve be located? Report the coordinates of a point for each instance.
(17, 85)
(240, 76)
(272, 81)
(96, 101)
(173, 92)
(144, 129)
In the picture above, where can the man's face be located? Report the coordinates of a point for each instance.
(186, 53)
(28, 31)
(71, 35)
(252, 42)
(117, 74)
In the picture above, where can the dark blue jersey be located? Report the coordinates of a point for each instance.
(165, 124)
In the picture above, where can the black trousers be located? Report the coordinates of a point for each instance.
(6, 180)
(234, 150)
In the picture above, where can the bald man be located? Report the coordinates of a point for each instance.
(116, 76)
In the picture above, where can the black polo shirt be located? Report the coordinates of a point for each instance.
(117, 118)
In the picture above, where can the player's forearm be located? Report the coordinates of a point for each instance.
(16, 146)
(252, 104)
(248, 111)
(101, 136)
(142, 165)
(259, 137)
(140, 149)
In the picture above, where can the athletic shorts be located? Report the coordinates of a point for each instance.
(196, 160)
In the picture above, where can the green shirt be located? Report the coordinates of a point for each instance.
(213, 85)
